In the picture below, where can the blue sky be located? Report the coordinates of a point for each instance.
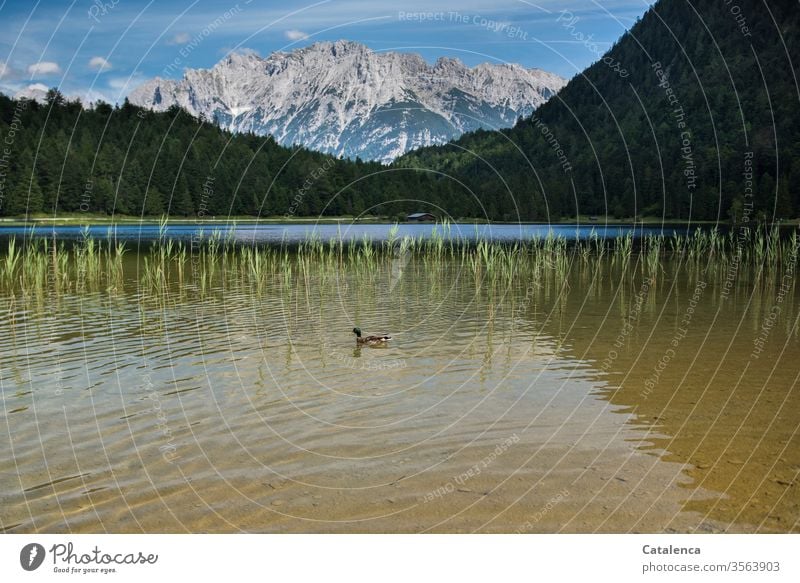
(105, 48)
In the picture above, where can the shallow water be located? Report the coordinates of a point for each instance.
(271, 233)
(597, 403)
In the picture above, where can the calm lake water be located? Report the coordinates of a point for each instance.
(596, 402)
(293, 233)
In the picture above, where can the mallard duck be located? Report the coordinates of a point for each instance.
(371, 340)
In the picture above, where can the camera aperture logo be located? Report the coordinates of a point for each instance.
(67, 559)
(31, 556)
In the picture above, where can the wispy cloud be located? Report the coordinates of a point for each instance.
(7, 72)
(238, 51)
(270, 26)
(180, 38)
(89, 96)
(44, 68)
(36, 91)
(121, 86)
(295, 35)
(99, 64)
(119, 83)
(37, 87)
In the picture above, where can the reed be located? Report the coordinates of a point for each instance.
(758, 257)
(11, 262)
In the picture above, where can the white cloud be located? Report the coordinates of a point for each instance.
(243, 51)
(295, 35)
(36, 91)
(121, 86)
(119, 82)
(180, 38)
(7, 72)
(92, 96)
(44, 68)
(99, 64)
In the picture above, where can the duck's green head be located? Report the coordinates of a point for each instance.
(357, 332)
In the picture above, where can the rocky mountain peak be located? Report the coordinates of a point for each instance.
(343, 98)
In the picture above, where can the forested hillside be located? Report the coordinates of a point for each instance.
(696, 97)
(60, 157)
(692, 114)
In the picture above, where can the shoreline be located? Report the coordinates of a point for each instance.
(93, 220)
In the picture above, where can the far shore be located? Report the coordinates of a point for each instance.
(91, 219)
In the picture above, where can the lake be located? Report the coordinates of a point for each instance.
(271, 233)
(555, 390)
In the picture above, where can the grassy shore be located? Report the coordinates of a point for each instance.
(43, 264)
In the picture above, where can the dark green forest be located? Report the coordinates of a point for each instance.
(709, 98)
(130, 161)
(692, 114)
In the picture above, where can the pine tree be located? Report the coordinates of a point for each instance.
(181, 202)
(26, 196)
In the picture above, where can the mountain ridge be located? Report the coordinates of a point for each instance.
(606, 146)
(706, 93)
(345, 99)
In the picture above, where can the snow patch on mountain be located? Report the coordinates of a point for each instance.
(345, 99)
